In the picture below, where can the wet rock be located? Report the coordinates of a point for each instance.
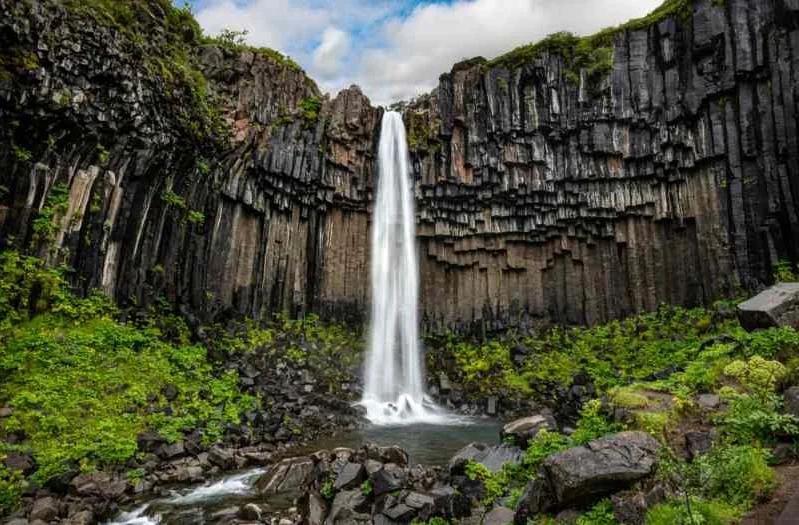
(286, 476)
(492, 457)
(45, 509)
(527, 428)
(250, 512)
(391, 454)
(776, 306)
(313, 508)
(400, 512)
(582, 474)
(150, 441)
(18, 521)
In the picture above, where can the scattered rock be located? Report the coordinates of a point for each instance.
(791, 398)
(21, 462)
(527, 428)
(776, 306)
(783, 453)
(390, 478)
(698, 443)
(250, 512)
(99, 484)
(286, 476)
(498, 516)
(629, 507)
(709, 401)
(492, 457)
(45, 509)
(173, 451)
(84, 517)
(222, 458)
(350, 477)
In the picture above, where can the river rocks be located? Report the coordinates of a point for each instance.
(581, 474)
(492, 457)
(350, 476)
(222, 458)
(84, 517)
(45, 509)
(777, 306)
(99, 484)
(527, 428)
(287, 476)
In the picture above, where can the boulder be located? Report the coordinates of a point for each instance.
(392, 454)
(173, 451)
(791, 398)
(776, 306)
(350, 476)
(84, 517)
(527, 428)
(348, 505)
(709, 401)
(99, 484)
(493, 457)
(581, 475)
(698, 443)
(250, 512)
(629, 507)
(150, 441)
(44, 509)
(21, 462)
(498, 516)
(287, 476)
(389, 478)
(222, 458)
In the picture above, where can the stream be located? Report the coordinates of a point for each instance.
(217, 501)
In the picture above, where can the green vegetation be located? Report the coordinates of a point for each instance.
(366, 488)
(310, 108)
(591, 54)
(196, 217)
(599, 514)
(236, 41)
(328, 490)
(616, 354)
(47, 222)
(82, 386)
(785, 272)
(173, 199)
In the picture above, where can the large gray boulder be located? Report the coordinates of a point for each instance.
(777, 306)
(582, 474)
(493, 457)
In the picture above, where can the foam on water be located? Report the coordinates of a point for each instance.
(238, 485)
(136, 517)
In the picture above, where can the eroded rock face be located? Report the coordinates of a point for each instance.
(540, 193)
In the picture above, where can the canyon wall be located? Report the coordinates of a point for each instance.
(546, 193)
(544, 190)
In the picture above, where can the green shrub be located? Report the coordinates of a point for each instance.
(757, 373)
(737, 474)
(328, 490)
(366, 488)
(599, 514)
(12, 486)
(592, 424)
(675, 512)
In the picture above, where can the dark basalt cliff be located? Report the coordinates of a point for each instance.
(545, 189)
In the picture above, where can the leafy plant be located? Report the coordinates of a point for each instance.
(599, 514)
(697, 512)
(328, 490)
(366, 488)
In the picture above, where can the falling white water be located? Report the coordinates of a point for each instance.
(394, 391)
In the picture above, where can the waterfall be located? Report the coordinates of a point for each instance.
(394, 389)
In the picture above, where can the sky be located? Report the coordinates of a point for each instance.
(396, 49)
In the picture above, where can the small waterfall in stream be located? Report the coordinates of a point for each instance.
(394, 389)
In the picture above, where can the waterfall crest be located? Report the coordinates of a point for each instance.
(394, 388)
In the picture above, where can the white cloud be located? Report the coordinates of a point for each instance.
(328, 57)
(403, 55)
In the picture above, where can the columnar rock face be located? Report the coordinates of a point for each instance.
(675, 179)
(274, 219)
(543, 191)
